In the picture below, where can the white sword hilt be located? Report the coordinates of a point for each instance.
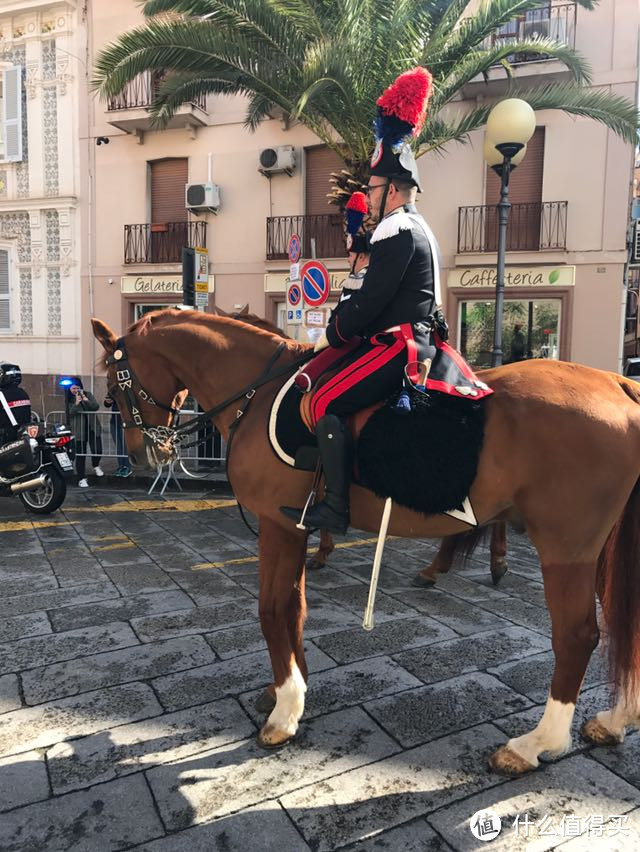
(377, 561)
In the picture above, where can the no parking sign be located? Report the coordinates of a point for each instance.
(316, 283)
(294, 304)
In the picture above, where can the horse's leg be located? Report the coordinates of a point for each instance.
(498, 551)
(570, 591)
(441, 564)
(608, 727)
(325, 549)
(281, 608)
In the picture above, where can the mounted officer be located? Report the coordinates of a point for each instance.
(15, 404)
(392, 310)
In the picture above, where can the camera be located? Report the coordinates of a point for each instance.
(102, 140)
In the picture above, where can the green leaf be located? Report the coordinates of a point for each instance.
(554, 275)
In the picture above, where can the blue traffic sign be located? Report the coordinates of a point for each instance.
(294, 248)
(294, 295)
(316, 283)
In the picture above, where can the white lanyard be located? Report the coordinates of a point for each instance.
(7, 410)
(435, 256)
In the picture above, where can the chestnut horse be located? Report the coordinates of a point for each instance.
(443, 560)
(561, 452)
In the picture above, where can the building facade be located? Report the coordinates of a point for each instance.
(567, 234)
(43, 65)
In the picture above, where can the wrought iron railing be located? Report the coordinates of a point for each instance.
(323, 231)
(633, 297)
(532, 226)
(162, 243)
(142, 91)
(554, 21)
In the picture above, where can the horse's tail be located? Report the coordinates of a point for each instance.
(464, 544)
(619, 592)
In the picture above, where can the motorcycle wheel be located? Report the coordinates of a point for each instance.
(47, 498)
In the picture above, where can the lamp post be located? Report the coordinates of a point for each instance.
(510, 125)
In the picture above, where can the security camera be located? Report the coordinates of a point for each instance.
(102, 140)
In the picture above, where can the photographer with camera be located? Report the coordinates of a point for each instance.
(81, 403)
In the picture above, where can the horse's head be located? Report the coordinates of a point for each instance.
(147, 392)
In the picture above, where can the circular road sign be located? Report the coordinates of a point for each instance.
(294, 248)
(294, 295)
(315, 283)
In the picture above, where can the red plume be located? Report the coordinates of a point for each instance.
(407, 97)
(358, 202)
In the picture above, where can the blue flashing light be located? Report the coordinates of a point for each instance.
(65, 382)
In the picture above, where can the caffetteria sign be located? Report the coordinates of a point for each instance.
(514, 276)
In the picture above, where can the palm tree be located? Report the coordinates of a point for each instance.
(324, 63)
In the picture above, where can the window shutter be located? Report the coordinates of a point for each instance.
(12, 113)
(5, 296)
(168, 179)
(320, 163)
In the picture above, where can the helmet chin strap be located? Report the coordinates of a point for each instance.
(383, 203)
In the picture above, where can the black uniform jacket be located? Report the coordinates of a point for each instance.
(20, 405)
(398, 287)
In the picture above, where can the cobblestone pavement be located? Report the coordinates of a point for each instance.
(131, 656)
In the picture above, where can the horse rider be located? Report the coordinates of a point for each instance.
(392, 310)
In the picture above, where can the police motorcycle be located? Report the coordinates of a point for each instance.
(35, 464)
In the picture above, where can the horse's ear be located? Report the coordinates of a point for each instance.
(221, 313)
(104, 335)
(243, 312)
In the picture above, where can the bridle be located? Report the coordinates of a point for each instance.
(172, 436)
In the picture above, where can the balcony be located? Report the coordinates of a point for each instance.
(554, 21)
(533, 226)
(129, 109)
(323, 231)
(163, 243)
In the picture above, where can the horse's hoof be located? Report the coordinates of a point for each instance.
(498, 569)
(423, 582)
(505, 761)
(271, 737)
(595, 732)
(265, 702)
(315, 564)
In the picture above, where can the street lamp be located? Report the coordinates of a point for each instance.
(510, 125)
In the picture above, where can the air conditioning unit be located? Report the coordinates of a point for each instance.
(280, 160)
(202, 197)
(634, 258)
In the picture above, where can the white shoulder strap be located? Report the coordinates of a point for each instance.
(435, 255)
(7, 410)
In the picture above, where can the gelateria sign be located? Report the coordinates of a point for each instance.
(155, 285)
(514, 276)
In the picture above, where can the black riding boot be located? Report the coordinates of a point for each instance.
(332, 514)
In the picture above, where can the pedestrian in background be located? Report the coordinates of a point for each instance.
(81, 404)
(117, 434)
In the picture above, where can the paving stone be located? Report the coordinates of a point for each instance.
(232, 777)
(197, 620)
(325, 616)
(43, 650)
(110, 555)
(573, 786)
(22, 566)
(58, 597)
(119, 609)
(35, 727)
(532, 676)
(418, 836)
(328, 578)
(103, 818)
(355, 598)
(61, 554)
(135, 663)
(617, 836)
(346, 685)
(9, 693)
(439, 662)
(38, 583)
(20, 543)
(229, 677)
(20, 626)
(456, 614)
(140, 579)
(23, 779)
(208, 588)
(239, 640)
(129, 748)
(520, 612)
(387, 638)
(424, 714)
(60, 533)
(624, 759)
(174, 552)
(80, 572)
(239, 831)
(390, 792)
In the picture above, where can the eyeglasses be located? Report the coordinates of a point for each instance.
(370, 189)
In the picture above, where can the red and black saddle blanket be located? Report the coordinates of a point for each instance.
(425, 459)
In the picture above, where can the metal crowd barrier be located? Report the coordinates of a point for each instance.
(208, 453)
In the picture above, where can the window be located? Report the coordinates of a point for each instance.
(11, 113)
(5, 293)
